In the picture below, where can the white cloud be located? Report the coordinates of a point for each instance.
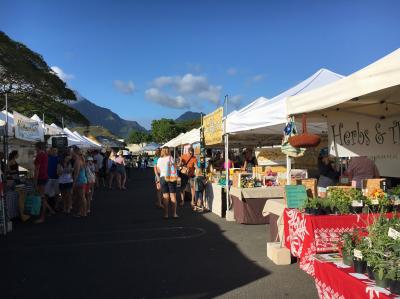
(61, 74)
(258, 78)
(235, 101)
(183, 91)
(155, 95)
(124, 87)
(231, 71)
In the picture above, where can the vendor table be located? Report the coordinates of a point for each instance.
(274, 208)
(306, 235)
(335, 281)
(214, 199)
(248, 203)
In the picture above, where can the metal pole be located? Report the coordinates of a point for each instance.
(228, 215)
(5, 140)
(288, 170)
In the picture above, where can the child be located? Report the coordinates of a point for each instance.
(199, 186)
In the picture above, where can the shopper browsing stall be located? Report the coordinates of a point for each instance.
(250, 160)
(188, 164)
(362, 168)
(328, 174)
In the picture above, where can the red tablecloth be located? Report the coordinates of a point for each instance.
(306, 235)
(333, 282)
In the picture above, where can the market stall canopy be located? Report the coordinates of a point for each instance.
(371, 91)
(173, 141)
(268, 116)
(190, 137)
(3, 117)
(73, 140)
(151, 147)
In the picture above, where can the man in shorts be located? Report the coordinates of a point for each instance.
(188, 161)
(51, 188)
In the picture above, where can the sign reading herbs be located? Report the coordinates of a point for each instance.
(354, 135)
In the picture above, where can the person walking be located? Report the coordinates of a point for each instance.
(79, 183)
(98, 161)
(157, 178)
(64, 170)
(121, 171)
(188, 164)
(40, 179)
(168, 176)
(91, 180)
(51, 188)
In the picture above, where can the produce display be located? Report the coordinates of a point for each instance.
(351, 201)
(375, 251)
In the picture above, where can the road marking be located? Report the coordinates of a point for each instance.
(200, 232)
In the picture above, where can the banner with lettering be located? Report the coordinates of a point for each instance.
(212, 125)
(27, 129)
(351, 135)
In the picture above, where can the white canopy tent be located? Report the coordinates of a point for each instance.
(174, 142)
(365, 104)
(370, 91)
(268, 116)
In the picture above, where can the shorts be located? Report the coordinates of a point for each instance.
(65, 187)
(51, 188)
(191, 182)
(42, 182)
(121, 170)
(86, 188)
(167, 187)
(198, 195)
(184, 181)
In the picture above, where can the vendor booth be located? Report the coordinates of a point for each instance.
(362, 114)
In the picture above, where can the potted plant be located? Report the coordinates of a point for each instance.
(395, 197)
(340, 201)
(394, 275)
(357, 200)
(346, 246)
(312, 206)
(326, 206)
(359, 255)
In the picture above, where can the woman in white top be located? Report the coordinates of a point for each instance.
(64, 171)
(166, 167)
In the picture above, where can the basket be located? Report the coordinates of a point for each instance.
(304, 140)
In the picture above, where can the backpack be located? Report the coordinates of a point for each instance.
(171, 174)
(90, 176)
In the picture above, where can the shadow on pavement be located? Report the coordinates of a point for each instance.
(124, 250)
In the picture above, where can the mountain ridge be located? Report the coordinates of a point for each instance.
(189, 115)
(105, 117)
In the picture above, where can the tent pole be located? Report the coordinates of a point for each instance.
(228, 214)
(288, 170)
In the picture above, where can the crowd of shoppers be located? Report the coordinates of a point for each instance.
(65, 179)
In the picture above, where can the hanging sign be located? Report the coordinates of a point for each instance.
(212, 125)
(27, 129)
(352, 135)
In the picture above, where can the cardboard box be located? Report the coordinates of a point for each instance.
(279, 255)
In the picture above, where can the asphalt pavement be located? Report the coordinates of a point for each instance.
(126, 250)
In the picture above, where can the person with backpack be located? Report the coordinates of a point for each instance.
(166, 167)
(188, 165)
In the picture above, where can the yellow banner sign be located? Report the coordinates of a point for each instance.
(212, 125)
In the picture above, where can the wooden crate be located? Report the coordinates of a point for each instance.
(371, 184)
(310, 184)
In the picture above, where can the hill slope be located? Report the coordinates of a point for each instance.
(189, 115)
(99, 116)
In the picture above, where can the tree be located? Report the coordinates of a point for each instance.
(164, 130)
(137, 137)
(23, 71)
(32, 86)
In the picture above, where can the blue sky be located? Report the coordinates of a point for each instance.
(151, 59)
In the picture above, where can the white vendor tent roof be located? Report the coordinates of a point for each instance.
(373, 90)
(190, 137)
(174, 142)
(268, 116)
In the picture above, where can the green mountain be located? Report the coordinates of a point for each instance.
(99, 116)
(189, 115)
